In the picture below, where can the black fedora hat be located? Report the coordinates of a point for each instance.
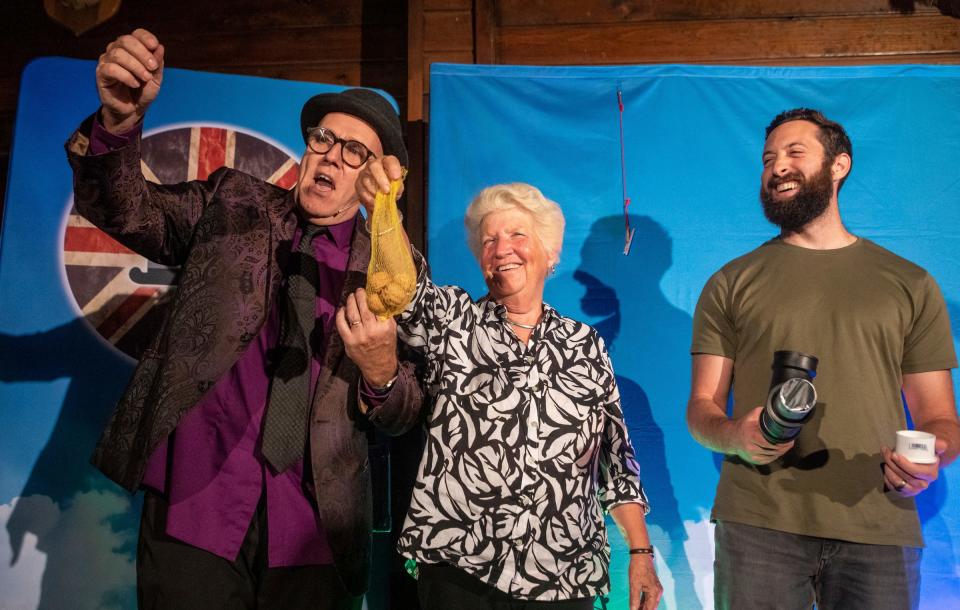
(364, 104)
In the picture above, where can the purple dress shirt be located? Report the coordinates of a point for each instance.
(210, 468)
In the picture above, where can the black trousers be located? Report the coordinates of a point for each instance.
(442, 587)
(172, 575)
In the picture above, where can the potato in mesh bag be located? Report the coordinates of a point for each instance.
(391, 275)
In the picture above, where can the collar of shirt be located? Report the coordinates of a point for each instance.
(340, 234)
(495, 312)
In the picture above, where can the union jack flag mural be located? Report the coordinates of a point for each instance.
(77, 309)
(120, 293)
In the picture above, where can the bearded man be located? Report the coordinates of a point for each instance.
(827, 518)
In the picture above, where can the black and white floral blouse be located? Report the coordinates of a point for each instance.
(526, 447)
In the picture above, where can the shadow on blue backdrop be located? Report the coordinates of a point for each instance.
(691, 141)
(103, 519)
(641, 330)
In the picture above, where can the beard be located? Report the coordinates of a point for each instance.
(810, 201)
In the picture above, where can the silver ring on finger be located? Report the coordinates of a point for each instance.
(899, 486)
(355, 323)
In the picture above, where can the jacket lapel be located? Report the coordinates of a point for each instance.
(283, 223)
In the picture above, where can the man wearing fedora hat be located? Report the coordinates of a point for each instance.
(247, 420)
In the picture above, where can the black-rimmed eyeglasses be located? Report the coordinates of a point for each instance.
(321, 140)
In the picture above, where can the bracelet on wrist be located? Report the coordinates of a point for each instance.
(642, 550)
(383, 389)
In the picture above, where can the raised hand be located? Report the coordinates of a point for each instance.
(375, 177)
(129, 74)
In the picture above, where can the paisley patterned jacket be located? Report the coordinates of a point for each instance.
(231, 235)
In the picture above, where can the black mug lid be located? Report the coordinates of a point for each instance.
(796, 360)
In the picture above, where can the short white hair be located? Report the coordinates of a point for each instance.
(548, 221)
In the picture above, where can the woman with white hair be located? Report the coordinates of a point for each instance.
(526, 445)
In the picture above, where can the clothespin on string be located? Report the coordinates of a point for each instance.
(628, 236)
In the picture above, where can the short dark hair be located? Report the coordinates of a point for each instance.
(832, 136)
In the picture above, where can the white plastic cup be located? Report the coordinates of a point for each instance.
(917, 446)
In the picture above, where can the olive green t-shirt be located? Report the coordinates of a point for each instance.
(869, 316)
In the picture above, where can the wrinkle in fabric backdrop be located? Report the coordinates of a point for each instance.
(693, 137)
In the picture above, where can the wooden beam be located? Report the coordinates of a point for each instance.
(854, 39)
(269, 47)
(573, 12)
(415, 197)
(484, 32)
(447, 31)
(446, 5)
(415, 76)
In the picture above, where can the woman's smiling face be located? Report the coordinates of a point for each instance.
(513, 260)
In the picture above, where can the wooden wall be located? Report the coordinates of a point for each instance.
(348, 42)
(744, 32)
(799, 32)
(603, 32)
(390, 44)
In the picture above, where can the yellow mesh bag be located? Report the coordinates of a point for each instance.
(391, 275)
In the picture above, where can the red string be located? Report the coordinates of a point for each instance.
(628, 238)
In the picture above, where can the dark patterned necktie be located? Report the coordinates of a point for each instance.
(288, 409)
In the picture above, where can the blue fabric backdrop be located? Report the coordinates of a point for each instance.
(693, 138)
(67, 534)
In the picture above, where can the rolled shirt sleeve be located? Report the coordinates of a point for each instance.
(620, 472)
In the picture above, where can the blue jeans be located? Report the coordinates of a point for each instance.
(757, 568)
